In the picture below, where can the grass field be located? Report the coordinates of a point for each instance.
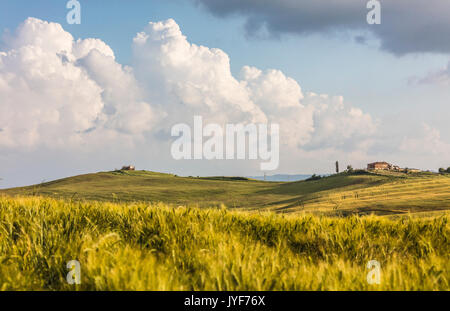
(140, 230)
(343, 194)
(139, 246)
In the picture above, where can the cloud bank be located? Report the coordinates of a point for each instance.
(407, 26)
(65, 96)
(58, 91)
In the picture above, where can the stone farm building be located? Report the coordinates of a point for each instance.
(128, 168)
(389, 167)
(380, 166)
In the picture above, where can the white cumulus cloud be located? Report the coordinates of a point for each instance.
(426, 142)
(188, 79)
(438, 77)
(56, 92)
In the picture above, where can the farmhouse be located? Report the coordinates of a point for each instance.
(389, 167)
(128, 168)
(380, 166)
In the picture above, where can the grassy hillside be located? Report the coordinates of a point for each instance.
(156, 247)
(381, 193)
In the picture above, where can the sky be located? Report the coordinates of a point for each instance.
(97, 95)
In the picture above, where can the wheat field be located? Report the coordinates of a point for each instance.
(378, 193)
(143, 246)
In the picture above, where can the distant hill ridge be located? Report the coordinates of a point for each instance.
(384, 193)
(281, 177)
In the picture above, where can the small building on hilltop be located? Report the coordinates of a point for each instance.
(128, 168)
(380, 166)
(389, 167)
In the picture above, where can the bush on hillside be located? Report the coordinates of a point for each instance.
(314, 177)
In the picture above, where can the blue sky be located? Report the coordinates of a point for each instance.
(380, 83)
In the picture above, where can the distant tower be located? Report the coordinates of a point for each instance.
(264, 176)
(337, 167)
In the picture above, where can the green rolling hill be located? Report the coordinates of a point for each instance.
(361, 193)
